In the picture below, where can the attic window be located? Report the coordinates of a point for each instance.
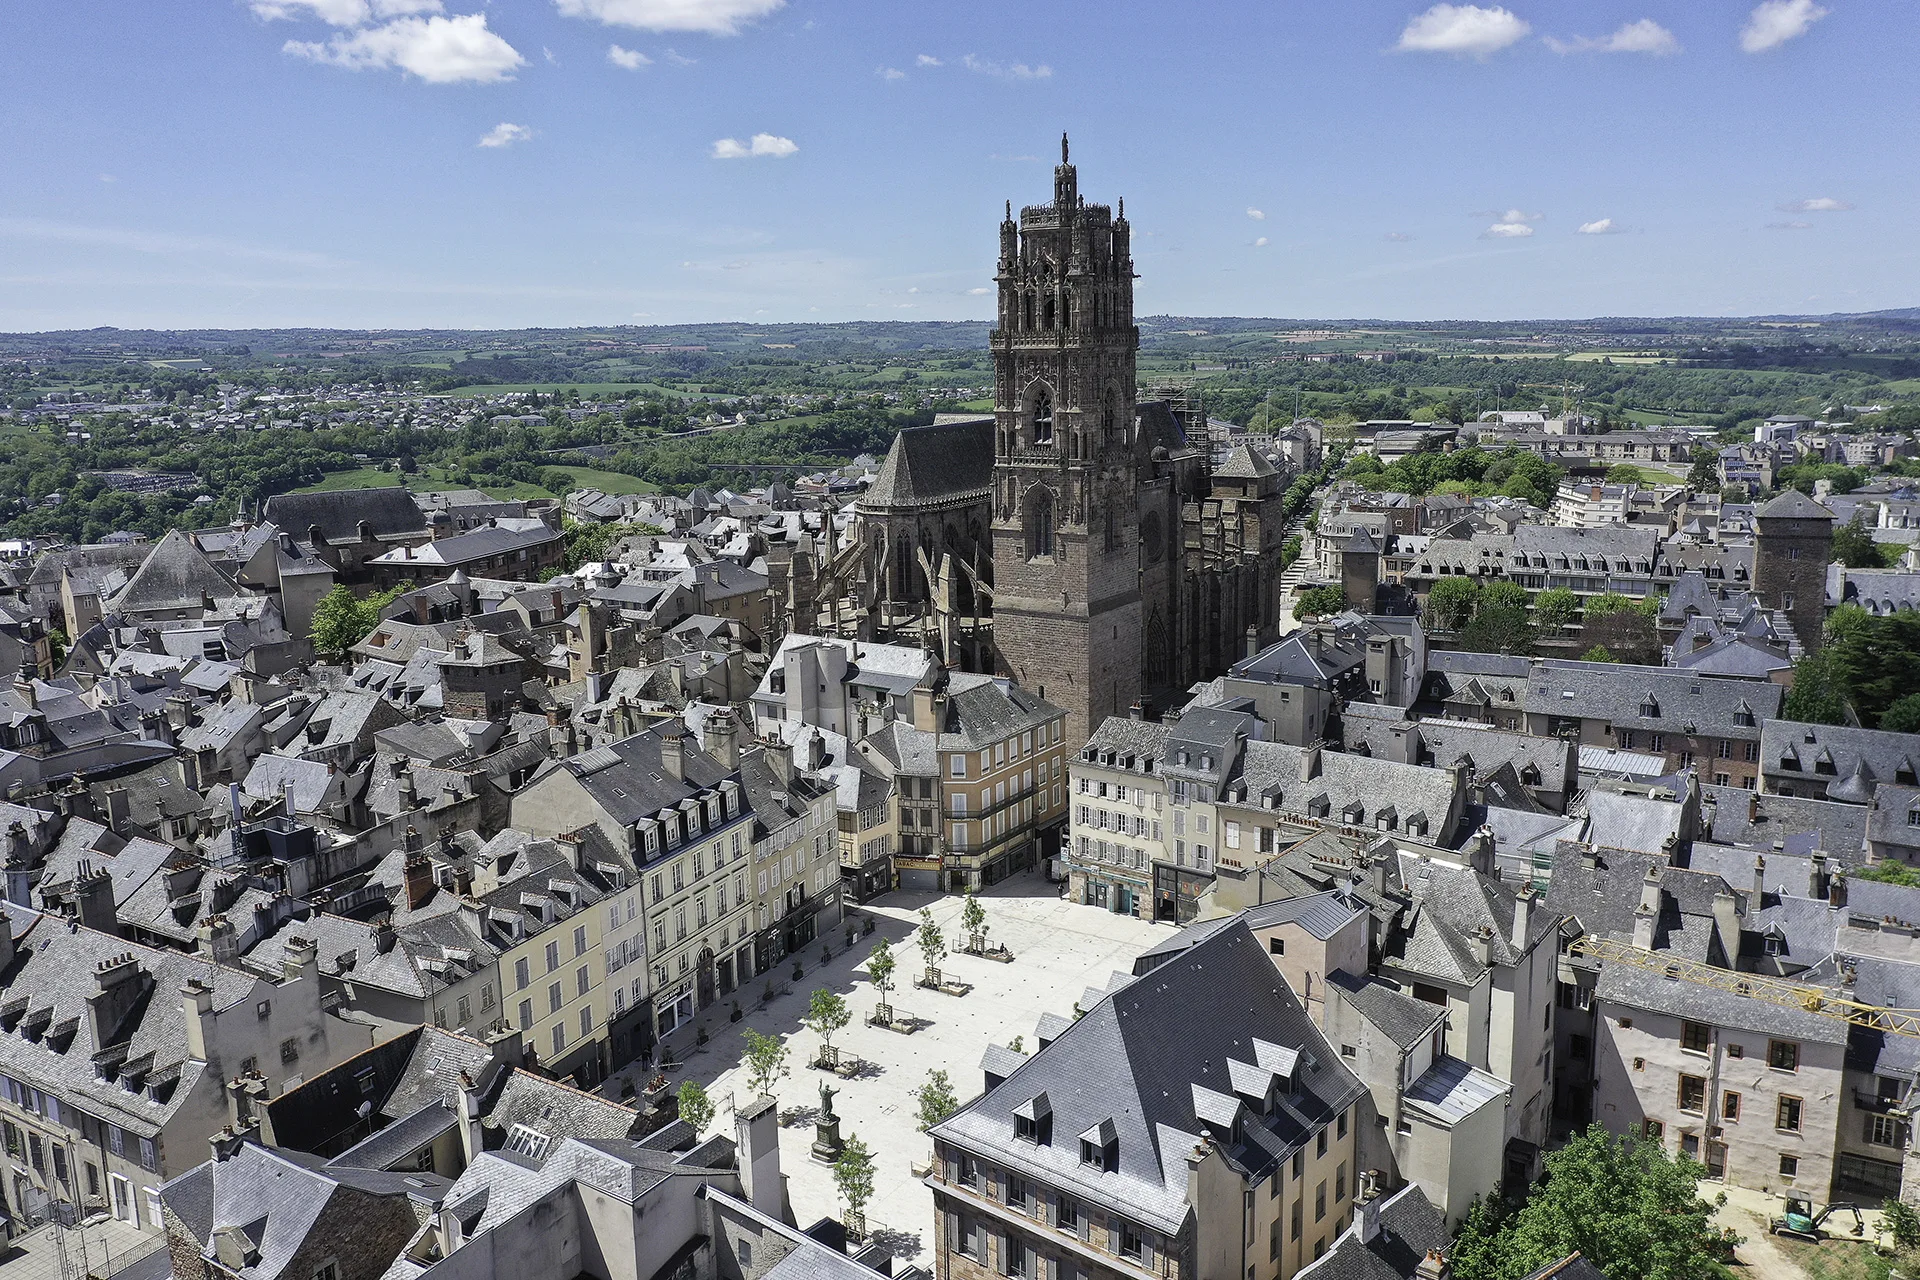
(527, 1142)
(1743, 715)
(1100, 1147)
(1650, 708)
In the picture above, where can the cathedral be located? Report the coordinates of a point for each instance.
(1076, 539)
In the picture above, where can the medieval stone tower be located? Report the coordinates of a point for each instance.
(1792, 544)
(1066, 554)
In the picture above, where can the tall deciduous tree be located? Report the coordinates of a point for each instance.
(765, 1062)
(936, 1098)
(827, 1015)
(933, 943)
(853, 1175)
(880, 967)
(696, 1108)
(1626, 1205)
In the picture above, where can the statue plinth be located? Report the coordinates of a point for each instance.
(827, 1143)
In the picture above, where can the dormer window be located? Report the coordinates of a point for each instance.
(1033, 1120)
(1913, 817)
(1100, 1147)
(1743, 716)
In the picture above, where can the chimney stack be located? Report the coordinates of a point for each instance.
(1434, 1267)
(756, 1129)
(301, 959)
(1759, 882)
(93, 900)
(417, 872)
(673, 758)
(1522, 916)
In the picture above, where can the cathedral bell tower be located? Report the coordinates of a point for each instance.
(1066, 557)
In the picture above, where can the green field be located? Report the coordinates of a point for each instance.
(432, 480)
(605, 481)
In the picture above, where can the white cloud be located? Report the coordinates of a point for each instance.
(980, 292)
(505, 135)
(712, 17)
(1774, 22)
(438, 50)
(1462, 28)
(1260, 243)
(1789, 226)
(1602, 227)
(1258, 215)
(1013, 71)
(1399, 237)
(1644, 36)
(679, 59)
(1819, 204)
(342, 13)
(630, 59)
(928, 60)
(890, 73)
(1507, 231)
(759, 146)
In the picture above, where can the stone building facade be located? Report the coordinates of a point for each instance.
(1792, 543)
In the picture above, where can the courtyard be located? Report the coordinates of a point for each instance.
(1060, 949)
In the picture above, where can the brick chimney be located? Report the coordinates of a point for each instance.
(93, 900)
(417, 872)
(301, 959)
(1434, 1267)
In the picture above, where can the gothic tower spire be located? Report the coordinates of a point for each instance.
(1065, 522)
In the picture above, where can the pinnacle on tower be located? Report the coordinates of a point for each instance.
(1063, 146)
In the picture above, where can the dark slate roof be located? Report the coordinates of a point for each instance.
(952, 459)
(1850, 762)
(1792, 505)
(388, 512)
(628, 780)
(1605, 897)
(1244, 464)
(1647, 989)
(1409, 1226)
(177, 575)
(1399, 1017)
(1147, 1060)
(1620, 693)
(1749, 818)
(277, 1198)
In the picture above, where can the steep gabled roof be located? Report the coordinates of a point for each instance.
(177, 575)
(948, 459)
(387, 512)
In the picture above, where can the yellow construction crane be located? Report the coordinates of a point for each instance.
(1768, 990)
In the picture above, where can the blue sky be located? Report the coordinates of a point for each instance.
(325, 162)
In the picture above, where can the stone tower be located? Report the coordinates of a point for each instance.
(1066, 556)
(1792, 544)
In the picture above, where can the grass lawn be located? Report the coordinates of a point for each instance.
(1835, 1259)
(605, 481)
(357, 478)
(432, 480)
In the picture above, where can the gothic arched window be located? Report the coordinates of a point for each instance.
(1043, 417)
(1046, 314)
(1039, 522)
(1150, 537)
(1028, 303)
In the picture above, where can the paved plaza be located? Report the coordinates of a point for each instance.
(100, 1248)
(1060, 950)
